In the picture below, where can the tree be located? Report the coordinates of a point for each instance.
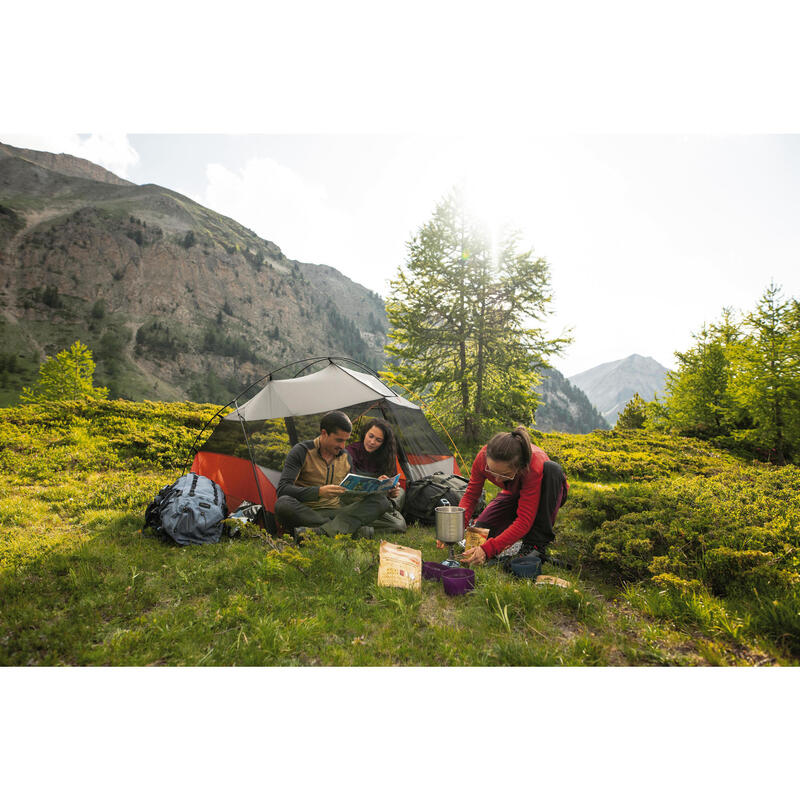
(634, 414)
(701, 399)
(67, 376)
(742, 379)
(768, 374)
(462, 318)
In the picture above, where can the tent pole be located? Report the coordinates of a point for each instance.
(291, 430)
(193, 451)
(401, 453)
(253, 463)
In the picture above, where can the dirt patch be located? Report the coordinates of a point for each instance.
(433, 612)
(567, 626)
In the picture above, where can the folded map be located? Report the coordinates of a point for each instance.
(363, 485)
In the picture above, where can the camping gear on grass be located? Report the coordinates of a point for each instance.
(450, 529)
(425, 495)
(189, 511)
(432, 570)
(400, 566)
(255, 514)
(551, 580)
(247, 449)
(458, 580)
(529, 566)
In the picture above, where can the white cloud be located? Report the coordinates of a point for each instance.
(110, 150)
(282, 206)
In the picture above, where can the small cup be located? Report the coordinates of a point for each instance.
(458, 580)
(432, 570)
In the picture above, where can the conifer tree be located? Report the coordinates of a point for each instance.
(67, 376)
(700, 390)
(634, 414)
(768, 373)
(465, 320)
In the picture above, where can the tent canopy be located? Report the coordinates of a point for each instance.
(246, 451)
(331, 388)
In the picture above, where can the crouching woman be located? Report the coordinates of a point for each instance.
(521, 518)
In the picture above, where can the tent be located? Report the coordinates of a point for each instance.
(246, 451)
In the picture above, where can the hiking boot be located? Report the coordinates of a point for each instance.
(301, 535)
(365, 532)
(539, 550)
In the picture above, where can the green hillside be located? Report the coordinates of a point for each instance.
(677, 553)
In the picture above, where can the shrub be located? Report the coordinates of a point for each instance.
(67, 376)
(634, 414)
(99, 309)
(158, 338)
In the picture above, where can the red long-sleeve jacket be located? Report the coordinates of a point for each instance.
(527, 485)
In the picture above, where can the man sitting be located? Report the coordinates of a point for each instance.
(309, 493)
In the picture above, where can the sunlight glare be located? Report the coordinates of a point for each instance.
(493, 191)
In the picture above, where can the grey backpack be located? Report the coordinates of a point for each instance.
(189, 511)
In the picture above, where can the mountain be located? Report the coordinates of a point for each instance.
(565, 407)
(609, 386)
(175, 300)
(65, 164)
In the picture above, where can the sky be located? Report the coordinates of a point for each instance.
(647, 237)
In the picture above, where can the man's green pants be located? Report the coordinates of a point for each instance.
(344, 518)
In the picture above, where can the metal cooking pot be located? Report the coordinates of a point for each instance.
(449, 524)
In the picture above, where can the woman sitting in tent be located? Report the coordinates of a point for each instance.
(520, 519)
(376, 456)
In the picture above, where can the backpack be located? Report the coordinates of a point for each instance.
(189, 511)
(425, 494)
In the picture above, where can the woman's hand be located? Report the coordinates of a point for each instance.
(475, 555)
(392, 492)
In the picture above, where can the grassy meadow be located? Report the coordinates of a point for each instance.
(676, 554)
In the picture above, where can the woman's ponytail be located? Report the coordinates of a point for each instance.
(521, 434)
(514, 448)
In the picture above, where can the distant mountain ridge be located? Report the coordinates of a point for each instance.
(565, 408)
(611, 385)
(175, 300)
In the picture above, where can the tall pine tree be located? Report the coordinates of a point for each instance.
(768, 374)
(464, 317)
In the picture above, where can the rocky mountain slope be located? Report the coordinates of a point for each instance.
(65, 164)
(565, 408)
(175, 300)
(610, 386)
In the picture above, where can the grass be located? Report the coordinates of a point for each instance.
(80, 584)
(112, 596)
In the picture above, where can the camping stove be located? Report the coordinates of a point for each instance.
(450, 529)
